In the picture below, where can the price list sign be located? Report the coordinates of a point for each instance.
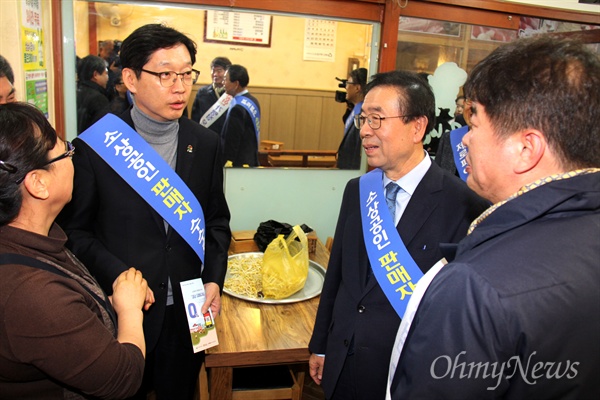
(239, 28)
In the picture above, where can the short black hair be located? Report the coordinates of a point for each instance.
(6, 70)
(415, 96)
(88, 65)
(238, 73)
(359, 75)
(141, 44)
(26, 138)
(222, 62)
(547, 84)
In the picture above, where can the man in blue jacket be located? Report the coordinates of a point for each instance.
(516, 314)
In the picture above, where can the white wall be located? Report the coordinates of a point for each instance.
(296, 196)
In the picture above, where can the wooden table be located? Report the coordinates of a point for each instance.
(256, 334)
(297, 158)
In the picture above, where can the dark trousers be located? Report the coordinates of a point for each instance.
(172, 367)
(345, 389)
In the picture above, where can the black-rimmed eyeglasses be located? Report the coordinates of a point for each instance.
(69, 153)
(373, 120)
(168, 78)
(12, 169)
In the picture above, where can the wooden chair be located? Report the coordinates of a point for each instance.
(329, 244)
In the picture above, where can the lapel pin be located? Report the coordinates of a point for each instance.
(190, 148)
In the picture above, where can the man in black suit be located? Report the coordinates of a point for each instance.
(209, 95)
(240, 133)
(356, 324)
(112, 228)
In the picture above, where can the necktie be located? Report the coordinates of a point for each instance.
(391, 191)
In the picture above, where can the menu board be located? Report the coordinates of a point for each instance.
(236, 27)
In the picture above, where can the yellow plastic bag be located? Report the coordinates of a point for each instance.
(285, 265)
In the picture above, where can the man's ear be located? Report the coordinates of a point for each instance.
(36, 183)
(129, 79)
(532, 146)
(419, 126)
(94, 77)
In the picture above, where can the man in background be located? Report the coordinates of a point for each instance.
(7, 82)
(110, 54)
(515, 315)
(111, 227)
(211, 97)
(444, 154)
(241, 131)
(92, 99)
(348, 155)
(356, 322)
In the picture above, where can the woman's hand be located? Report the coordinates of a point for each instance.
(131, 292)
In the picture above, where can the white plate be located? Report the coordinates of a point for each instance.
(312, 287)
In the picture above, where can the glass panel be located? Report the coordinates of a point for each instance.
(289, 81)
(444, 52)
(424, 45)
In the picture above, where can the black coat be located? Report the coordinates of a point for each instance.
(92, 104)
(111, 228)
(240, 143)
(352, 309)
(350, 150)
(205, 99)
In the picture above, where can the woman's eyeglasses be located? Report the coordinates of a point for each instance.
(12, 169)
(69, 153)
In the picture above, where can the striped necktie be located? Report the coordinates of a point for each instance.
(391, 191)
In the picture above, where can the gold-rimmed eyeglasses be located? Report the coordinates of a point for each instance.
(373, 120)
(168, 78)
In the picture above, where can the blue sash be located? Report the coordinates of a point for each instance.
(150, 176)
(350, 120)
(252, 109)
(395, 270)
(459, 150)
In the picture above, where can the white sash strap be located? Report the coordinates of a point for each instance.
(216, 110)
(407, 319)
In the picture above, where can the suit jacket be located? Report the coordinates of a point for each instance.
(350, 150)
(354, 313)
(92, 104)
(205, 99)
(240, 144)
(111, 228)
